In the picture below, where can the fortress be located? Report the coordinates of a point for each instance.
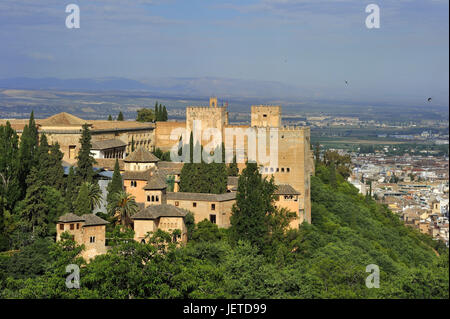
(155, 183)
(295, 158)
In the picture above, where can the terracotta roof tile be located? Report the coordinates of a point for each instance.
(157, 211)
(141, 155)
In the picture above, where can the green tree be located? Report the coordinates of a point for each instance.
(333, 179)
(120, 116)
(342, 162)
(56, 173)
(206, 231)
(157, 112)
(89, 197)
(233, 169)
(189, 221)
(164, 116)
(50, 168)
(85, 160)
(110, 117)
(122, 207)
(116, 184)
(71, 189)
(145, 115)
(254, 201)
(132, 144)
(28, 151)
(81, 205)
(34, 215)
(10, 190)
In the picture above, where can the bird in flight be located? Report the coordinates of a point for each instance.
(346, 82)
(429, 99)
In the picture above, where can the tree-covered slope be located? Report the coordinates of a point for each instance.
(327, 259)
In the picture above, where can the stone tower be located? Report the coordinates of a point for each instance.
(210, 117)
(266, 116)
(213, 101)
(294, 155)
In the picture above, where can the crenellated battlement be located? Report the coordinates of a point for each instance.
(206, 108)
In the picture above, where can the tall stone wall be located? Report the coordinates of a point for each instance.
(162, 134)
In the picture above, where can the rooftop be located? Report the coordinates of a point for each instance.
(88, 219)
(157, 211)
(285, 189)
(107, 144)
(62, 119)
(137, 175)
(141, 155)
(155, 181)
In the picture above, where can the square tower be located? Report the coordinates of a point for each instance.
(266, 116)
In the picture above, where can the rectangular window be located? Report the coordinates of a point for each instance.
(72, 151)
(78, 226)
(288, 169)
(194, 204)
(213, 206)
(61, 226)
(212, 218)
(148, 198)
(92, 239)
(72, 226)
(177, 203)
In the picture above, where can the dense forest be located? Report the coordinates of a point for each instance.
(257, 257)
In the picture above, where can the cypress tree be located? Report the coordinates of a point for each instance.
(34, 213)
(116, 184)
(56, 171)
(85, 161)
(82, 205)
(254, 201)
(71, 189)
(156, 111)
(10, 188)
(110, 117)
(333, 180)
(233, 169)
(164, 114)
(120, 116)
(28, 151)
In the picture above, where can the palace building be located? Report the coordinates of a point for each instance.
(155, 183)
(110, 139)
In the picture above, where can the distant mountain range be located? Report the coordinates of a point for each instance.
(82, 84)
(187, 86)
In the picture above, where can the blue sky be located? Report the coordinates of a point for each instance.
(312, 44)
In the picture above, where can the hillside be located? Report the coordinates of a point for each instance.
(327, 259)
